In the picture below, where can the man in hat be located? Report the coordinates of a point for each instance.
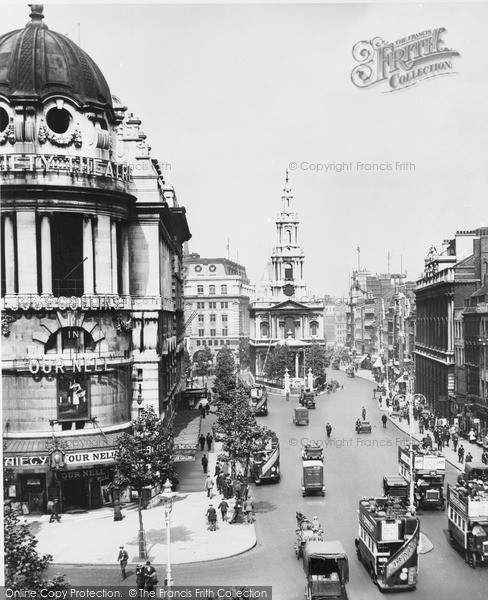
(212, 517)
(123, 558)
(204, 463)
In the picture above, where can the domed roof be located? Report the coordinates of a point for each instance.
(36, 63)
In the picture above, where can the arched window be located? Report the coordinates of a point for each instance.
(264, 329)
(288, 271)
(288, 236)
(200, 289)
(314, 328)
(211, 289)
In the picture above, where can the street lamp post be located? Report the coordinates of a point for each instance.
(168, 496)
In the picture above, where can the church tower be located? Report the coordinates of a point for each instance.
(287, 256)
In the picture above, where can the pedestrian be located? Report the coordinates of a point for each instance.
(469, 458)
(209, 486)
(53, 506)
(484, 458)
(201, 439)
(287, 395)
(123, 559)
(223, 507)
(150, 577)
(447, 437)
(209, 441)
(211, 515)
(384, 418)
(218, 468)
(249, 510)
(461, 454)
(455, 441)
(140, 580)
(230, 487)
(238, 488)
(204, 463)
(237, 510)
(328, 429)
(207, 408)
(363, 412)
(421, 426)
(203, 411)
(219, 482)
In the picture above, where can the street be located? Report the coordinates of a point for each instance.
(354, 467)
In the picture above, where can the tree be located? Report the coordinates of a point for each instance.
(244, 352)
(238, 430)
(204, 360)
(279, 359)
(225, 375)
(24, 567)
(144, 458)
(316, 359)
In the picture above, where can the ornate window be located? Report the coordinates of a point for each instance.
(288, 271)
(211, 289)
(264, 329)
(200, 289)
(314, 328)
(223, 289)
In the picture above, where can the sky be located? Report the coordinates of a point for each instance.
(231, 95)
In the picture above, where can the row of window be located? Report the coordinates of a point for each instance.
(213, 332)
(211, 305)
(211, 342)
(457, 519)
(213, 318)
(211, 290)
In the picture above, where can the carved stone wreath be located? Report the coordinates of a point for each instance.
(6, 320)
(58, 139)
(8, 135)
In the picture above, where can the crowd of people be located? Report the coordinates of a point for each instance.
(229, 488)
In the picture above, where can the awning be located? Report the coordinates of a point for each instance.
(378, 363)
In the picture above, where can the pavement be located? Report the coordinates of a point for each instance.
(93, 538)
(447, 451)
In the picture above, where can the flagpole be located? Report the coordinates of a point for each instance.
(359, 258)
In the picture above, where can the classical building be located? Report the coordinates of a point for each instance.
(283, 311)
(217, 293)
(450, 278)
(91, 280)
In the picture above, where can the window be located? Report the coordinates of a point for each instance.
(222, 342)
(224, 332)
(198, 342)
(211, 289)
(58, 120)
(212, 304)
(201, 304)
(212, 318)
(209, 342)
(224, 318)
(213, 332)
(314, 328)
(200, 289)
(288, 271)
(264, 330)
(224, 305)
(223, 289)
(200, 333)
(201, 318)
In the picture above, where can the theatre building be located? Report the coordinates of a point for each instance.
(91, 284)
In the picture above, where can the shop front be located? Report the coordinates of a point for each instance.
(80, 481)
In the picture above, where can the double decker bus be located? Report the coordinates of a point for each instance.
(388, 543)
(428, 471)
(265, 463)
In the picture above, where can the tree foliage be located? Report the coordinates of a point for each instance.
(225, 375)
(24, 567)
(244, 353)
(186, 363)
(279, 359)
(316, 358)
(204, 361)
(144, 458)
(238, 430)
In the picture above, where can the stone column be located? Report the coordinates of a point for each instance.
(9, 254)
(27, 251)
(296, 364)
(113, 244)
(125, 260)
(88, 270)
(46, 255)
(103, 262)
